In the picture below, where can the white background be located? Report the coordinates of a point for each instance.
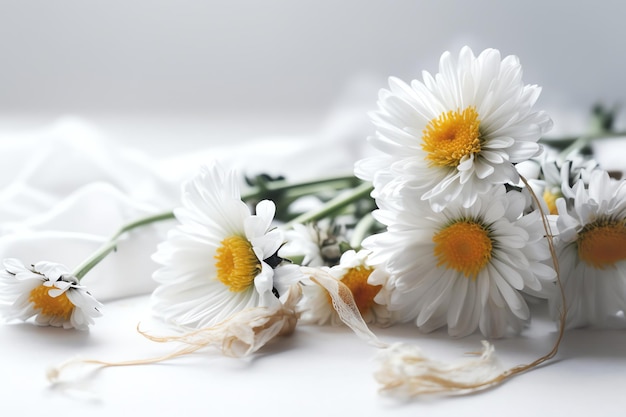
(288, 59)
(174, 76)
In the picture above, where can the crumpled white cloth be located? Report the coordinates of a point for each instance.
(66, 189)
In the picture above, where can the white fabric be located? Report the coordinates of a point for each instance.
(65, 189)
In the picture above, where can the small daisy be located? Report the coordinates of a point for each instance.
(465, 267)
(556, 179)
(455, 135)
(591, 248)
(317, 244)
(48, 292)
(354, 271)
(220, 259)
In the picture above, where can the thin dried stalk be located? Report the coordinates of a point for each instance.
(242, 334)
(406, 372)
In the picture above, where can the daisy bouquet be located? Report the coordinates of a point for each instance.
(458, 220)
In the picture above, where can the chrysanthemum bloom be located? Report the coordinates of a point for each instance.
(220, 259)
(353, 271)
(591, 248)
(453, 136)
(463, 267)
(48, 292)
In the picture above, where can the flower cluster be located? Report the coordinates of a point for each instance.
(461, 249)
(455, 222)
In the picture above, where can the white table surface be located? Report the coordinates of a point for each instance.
(316, 371)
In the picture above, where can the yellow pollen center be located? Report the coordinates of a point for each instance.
(47, 305)
(236, 265)
(362, 292)
(602, 243)
(550, 199)
(451, 137)
(464, 246)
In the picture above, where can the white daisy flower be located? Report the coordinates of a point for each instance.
(220, 259)
(48, 292)
(556, 178)
(353, 271)
(465, 267)
(591, 248)
(454, 135)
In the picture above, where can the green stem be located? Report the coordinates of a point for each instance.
(361, 230)
(111, 244)
(142, 222)
(333, 206)
(313, 186)
(584, 140)
(253, 193)
(601, 126)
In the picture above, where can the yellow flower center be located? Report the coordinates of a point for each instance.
(59, 306)
(356, 280)
(362, 292)
(236, 265)
(550, 199)
(452, 136)
(464, 246)
(602, 243)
